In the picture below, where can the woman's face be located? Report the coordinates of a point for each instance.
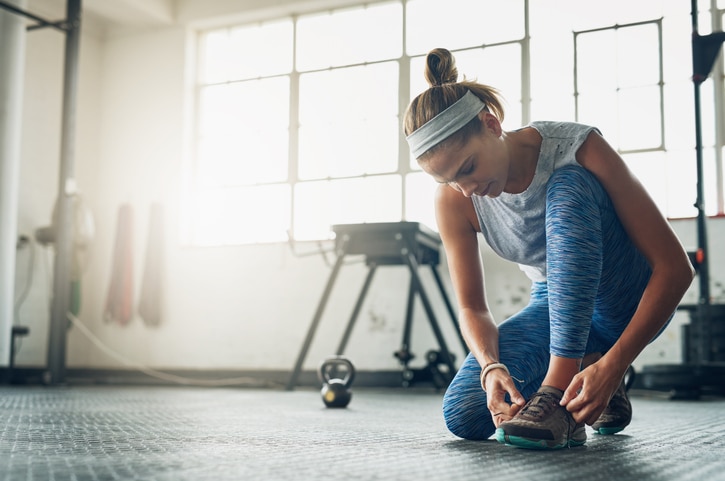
(477, 167)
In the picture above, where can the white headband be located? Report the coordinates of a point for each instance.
(445, 124)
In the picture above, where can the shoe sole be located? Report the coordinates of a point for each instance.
(609, 431)
(520, 442)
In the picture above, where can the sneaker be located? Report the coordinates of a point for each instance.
(617, 415)
(542, 424)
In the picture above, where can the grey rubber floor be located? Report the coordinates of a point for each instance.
(170, 433)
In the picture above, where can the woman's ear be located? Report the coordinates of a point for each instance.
(491, 122)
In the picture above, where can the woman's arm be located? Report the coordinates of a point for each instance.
(458, 226)
(672, 274)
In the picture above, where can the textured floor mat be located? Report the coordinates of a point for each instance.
(168, 433)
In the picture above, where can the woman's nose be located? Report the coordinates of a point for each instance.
(466, 188)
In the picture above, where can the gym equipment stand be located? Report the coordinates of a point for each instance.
(396, 243)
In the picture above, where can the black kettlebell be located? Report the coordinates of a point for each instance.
(336, 392)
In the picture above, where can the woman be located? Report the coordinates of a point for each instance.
(607, 270)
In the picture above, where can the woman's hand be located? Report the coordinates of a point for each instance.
(498, 383)
(590, 391)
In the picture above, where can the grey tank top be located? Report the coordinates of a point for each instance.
(513, 224)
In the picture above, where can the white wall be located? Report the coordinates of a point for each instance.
(244, 307)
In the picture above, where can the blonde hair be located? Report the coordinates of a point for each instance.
(445, 89)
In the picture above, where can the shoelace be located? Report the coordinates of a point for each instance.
(543, 402)
(540, 403)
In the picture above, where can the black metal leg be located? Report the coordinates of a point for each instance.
(315, 321)
(449, 306)
(356, 309)
(404, 354)
(17, 331)
(413, 266)
(11, 365)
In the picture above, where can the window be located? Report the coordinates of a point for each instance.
(241, 191)
(298, 119)
(305, 132)
(619, 87)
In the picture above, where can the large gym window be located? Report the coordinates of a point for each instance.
(298, 119)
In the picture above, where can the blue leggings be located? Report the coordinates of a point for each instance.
(595, 279)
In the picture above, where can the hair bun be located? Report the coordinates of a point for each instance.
(440, 67)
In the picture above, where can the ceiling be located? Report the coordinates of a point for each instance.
(102, 15)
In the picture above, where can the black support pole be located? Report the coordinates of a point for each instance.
(55, 373)
(697, 78)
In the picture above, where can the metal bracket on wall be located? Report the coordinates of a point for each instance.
(62, 25)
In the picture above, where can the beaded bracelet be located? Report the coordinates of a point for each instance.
(490, 367)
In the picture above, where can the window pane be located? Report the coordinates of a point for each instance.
(349, 121)
(319, 205)
(651, 170)
(461, 23)
(349, 36)
(640, 118)
(356, 148)
(638, 55)
(234, 54)
(244, 132)
(596, 67)
(419, 196)
(710, 181)
(598, 109)
(213, 54)
(241, 215)
(707, 111)
(679, 116)
(681, 184)
(227, 161)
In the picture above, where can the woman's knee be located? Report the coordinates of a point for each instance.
(465, 408)
(467, 416)
(574, 177)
